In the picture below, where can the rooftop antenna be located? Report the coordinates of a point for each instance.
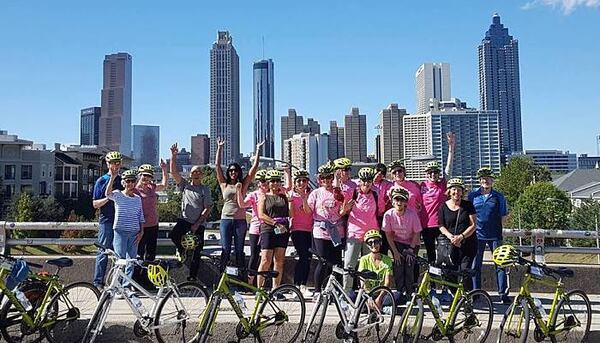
(263, 47)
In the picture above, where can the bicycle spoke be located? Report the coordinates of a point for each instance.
(572, 318)
(281, 317)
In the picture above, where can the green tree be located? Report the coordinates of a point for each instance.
(543, 206)
(585, 217)
(170, 210)
(210, 180)
(23, 208)
(518, 174)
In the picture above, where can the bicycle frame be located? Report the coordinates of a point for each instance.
(524, 293)
(223, 291)
(423, 292)
(335, 289)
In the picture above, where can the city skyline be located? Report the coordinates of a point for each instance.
(326, 99)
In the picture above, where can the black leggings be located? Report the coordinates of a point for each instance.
(464, 257)
(302, 242)
(147, 245)
(429, 235)
(254, 252)
(180, 229)
(325, 248)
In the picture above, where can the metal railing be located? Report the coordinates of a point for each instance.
(538, 237)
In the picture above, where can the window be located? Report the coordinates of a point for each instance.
(27, 189)
(9, 190)
(26, 172)
(10, 172)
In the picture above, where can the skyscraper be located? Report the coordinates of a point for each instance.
(432, 82)
(146, 140)
(224, 98)
(200, 149)
(306, 150)
(115, 118)
(499, 86)
(90, 126)
(355, 136)
(293, 124)
(264, 106)
(336, 141)
(391, 143)
(312, 126)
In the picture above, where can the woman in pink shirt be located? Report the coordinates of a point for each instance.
(301, 229)
(402, 226)
(146, 188)
(251, 200)
(328, 229)
(382, 185)
(415, 202)
(362, 217)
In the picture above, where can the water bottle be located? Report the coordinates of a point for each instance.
(538, 305)
(240, 301)
(23, 300)
(437, 306)
(137, 303)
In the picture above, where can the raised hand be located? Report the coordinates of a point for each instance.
(220, 142)
(163, 164)
(174, 149)
(451, 137)
(259, 145)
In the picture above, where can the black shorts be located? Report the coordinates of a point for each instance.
(270, 240)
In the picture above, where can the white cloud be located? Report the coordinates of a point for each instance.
(565, 6)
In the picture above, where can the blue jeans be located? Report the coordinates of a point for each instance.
(501, 278)
(126, 247)
(233, 229)
(105, 238)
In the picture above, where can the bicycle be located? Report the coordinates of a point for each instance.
(269, 316)
(57, 313)
(570, 312)
(370, 316)
(469, 318)
(171, 309)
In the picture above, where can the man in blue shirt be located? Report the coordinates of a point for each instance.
(107, 214)
(491, 210)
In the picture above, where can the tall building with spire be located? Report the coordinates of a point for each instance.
(115, 117)
(499, 85)
(264, 106)
(224, 98)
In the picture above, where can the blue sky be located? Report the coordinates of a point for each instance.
(329, 56)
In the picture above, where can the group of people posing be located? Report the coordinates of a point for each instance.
(356, 223)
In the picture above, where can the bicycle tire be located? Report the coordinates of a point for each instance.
(288, 292)
(75, 301)
(520, 308)
(95, 326)
(9, 315)
(473, 303)
(363, 308)
(407, 332)
(567, 301)
(204, 331)
(317, 317)
(183, 331)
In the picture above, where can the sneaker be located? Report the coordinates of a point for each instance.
(446, 297)
(280, 297)
(387, 310)
(506, 300)
(433, 293)
(306, 293)
(180, 256)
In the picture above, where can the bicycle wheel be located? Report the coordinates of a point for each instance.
(376, 316)
(97, 322)
(315, 323)
(515, 323)
(176, 316)
(283, 314)
(472, 320)
(70, 311)
(204, 332)
(12, 328)
(411, 322)
(573, 315)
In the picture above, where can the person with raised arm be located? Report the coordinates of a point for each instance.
(233, 225)
(196, 204)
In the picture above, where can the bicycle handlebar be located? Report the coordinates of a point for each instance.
(364, 274)
(32, 264)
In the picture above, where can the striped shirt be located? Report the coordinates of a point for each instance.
(128, 212)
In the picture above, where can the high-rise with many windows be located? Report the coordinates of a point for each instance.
(355, 136)
(390, 144)
(115, 118)
(499, 86)
(264, 106)
(336, 141)
(146, 139)
(224, 98)
(90, 126)
(432, 81)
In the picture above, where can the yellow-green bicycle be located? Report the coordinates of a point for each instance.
(570, 314)
(277, 316)
(469, 318)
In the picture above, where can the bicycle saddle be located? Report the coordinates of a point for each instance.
(61, 262)
(562, 271)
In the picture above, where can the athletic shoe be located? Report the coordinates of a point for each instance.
(506, 300)
(306, 293)
(180, 256)
(280, 297)
(387, 310)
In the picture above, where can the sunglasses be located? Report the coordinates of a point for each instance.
(328, 177)
(232, 170)
(346, 169)
(130, 181)
(275, 180)
(374, 242)
(367, 181)
(397, 171)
